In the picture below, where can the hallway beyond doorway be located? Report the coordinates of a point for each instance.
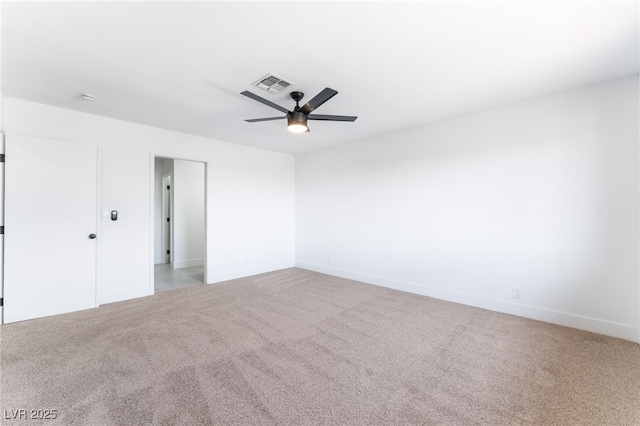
(166, 278)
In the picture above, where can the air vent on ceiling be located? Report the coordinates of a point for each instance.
(272, 83)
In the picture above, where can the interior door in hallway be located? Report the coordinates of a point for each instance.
(50, 227)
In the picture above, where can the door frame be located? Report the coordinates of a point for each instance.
(152, 181)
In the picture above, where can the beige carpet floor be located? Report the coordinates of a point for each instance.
(295, 347)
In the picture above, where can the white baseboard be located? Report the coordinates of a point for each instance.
(242, 273)
(178, 264)
(125, 295)
(622, 331)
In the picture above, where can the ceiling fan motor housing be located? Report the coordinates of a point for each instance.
(296, 118)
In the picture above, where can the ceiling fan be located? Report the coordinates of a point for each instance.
(297, 119)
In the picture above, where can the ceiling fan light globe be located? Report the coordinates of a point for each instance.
(298, 128)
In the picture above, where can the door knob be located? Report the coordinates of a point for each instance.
(92, 236)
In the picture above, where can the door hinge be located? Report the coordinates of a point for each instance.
(168, 251)
(168, 219)
(1, 230)
(168, 187)
(1, 301)
(1, 158)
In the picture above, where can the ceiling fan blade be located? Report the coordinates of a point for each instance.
(318, 100)
(331, 117)
(264, 101)
(255, 120)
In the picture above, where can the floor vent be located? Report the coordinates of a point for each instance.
(272, 83)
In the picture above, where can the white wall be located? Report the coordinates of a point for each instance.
(188, 213)
(250, 195)
(541, 195)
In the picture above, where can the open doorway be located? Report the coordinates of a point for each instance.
(179, 221)
(167, 204)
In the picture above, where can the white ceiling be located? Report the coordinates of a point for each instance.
(182, 66)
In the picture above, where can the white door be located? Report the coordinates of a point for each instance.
(50, 215)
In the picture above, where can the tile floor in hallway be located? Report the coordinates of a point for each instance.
(166, 278)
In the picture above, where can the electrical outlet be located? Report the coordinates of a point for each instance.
(516, 293)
